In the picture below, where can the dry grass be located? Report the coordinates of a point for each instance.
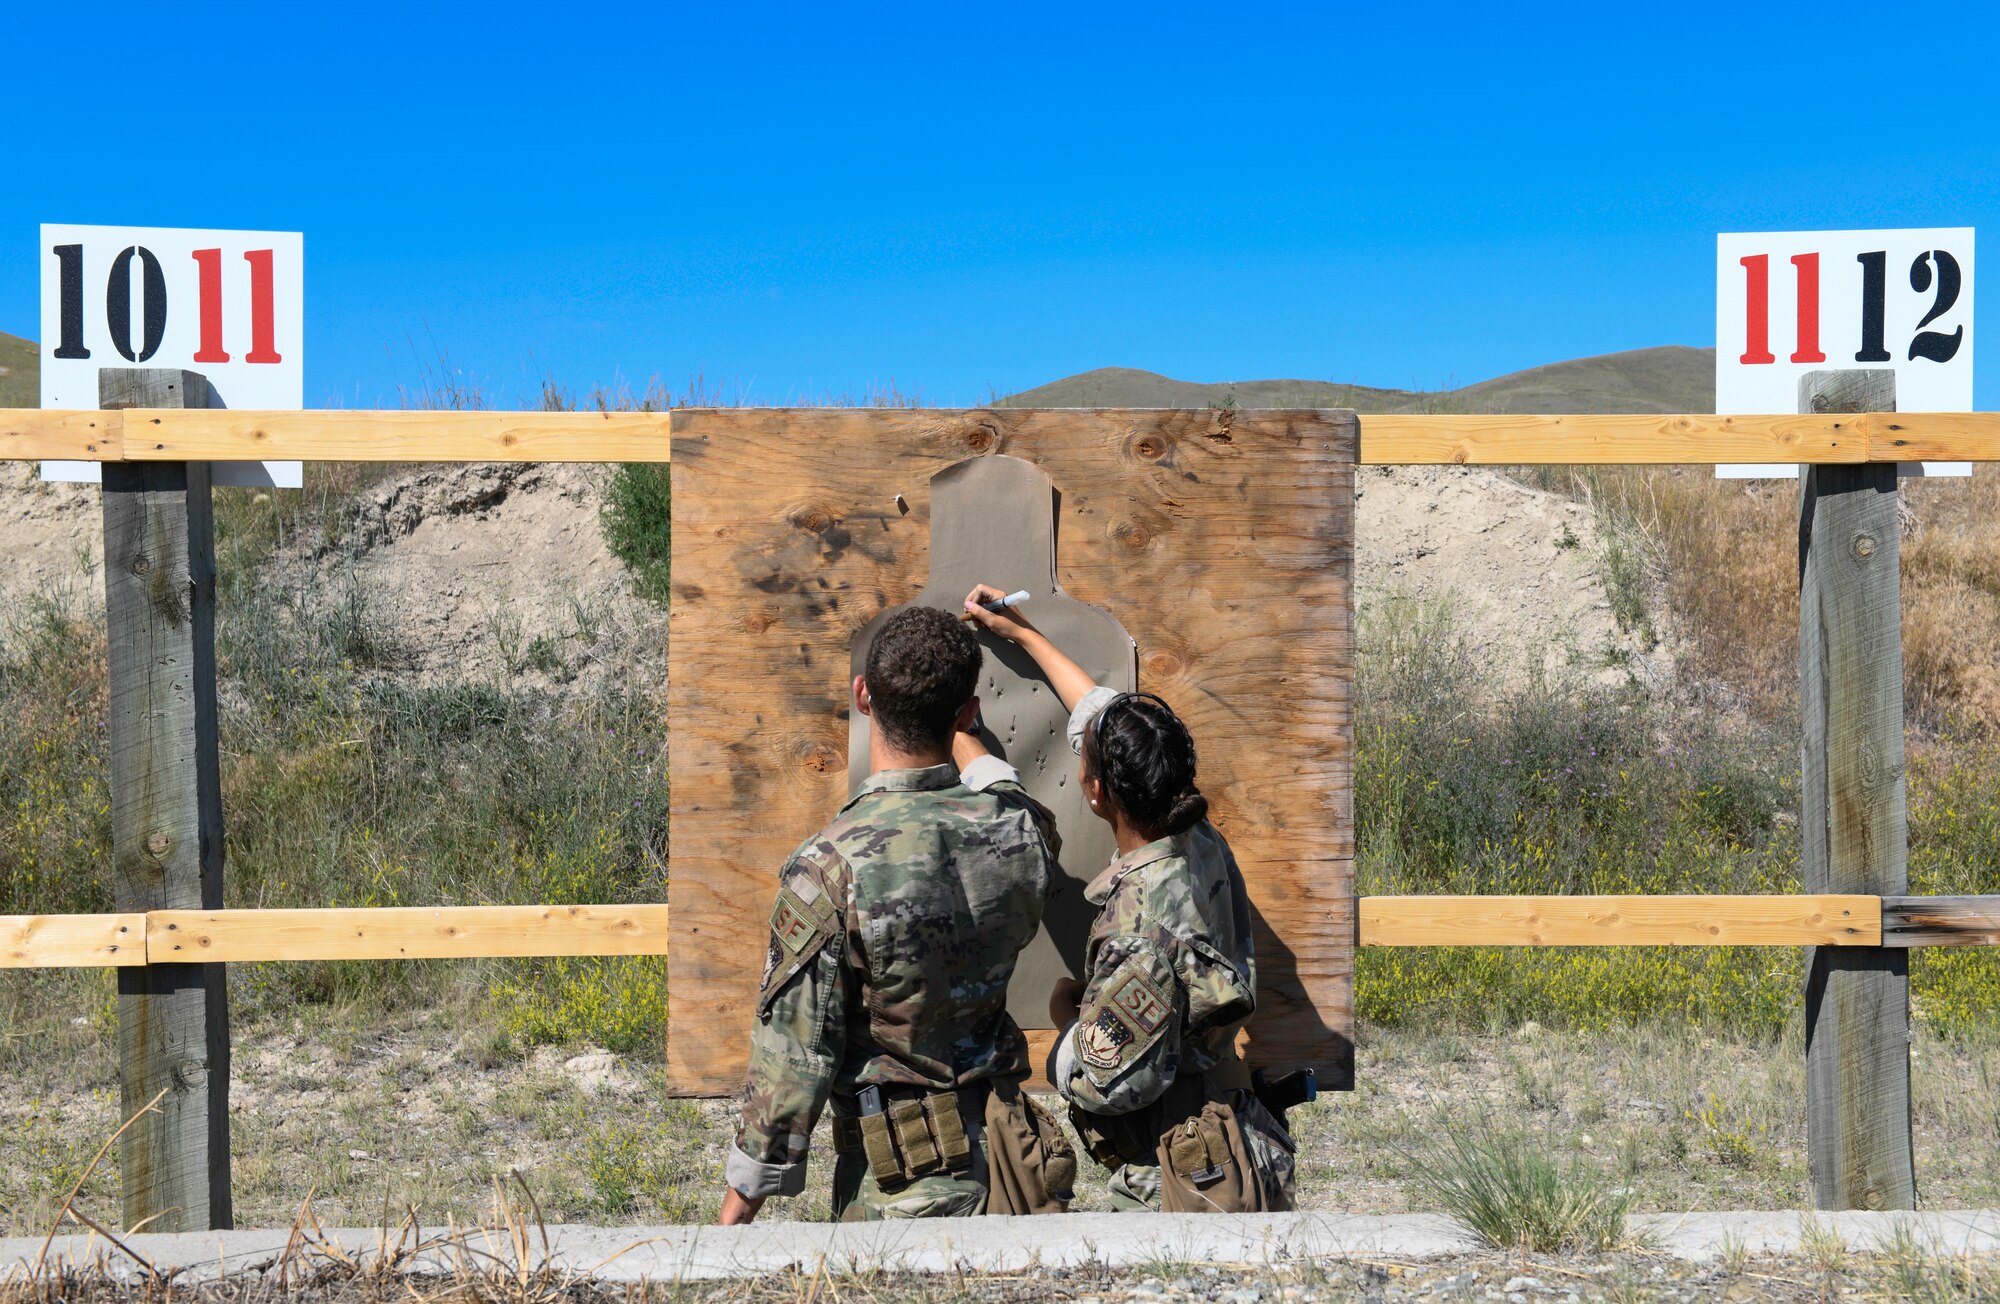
(1729, 555)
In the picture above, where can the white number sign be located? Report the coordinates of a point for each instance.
(228, 304)
(1790, 302)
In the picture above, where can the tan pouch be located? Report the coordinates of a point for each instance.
(1206, 1166)
(913, 1139)
(1030, 1164)
(880, 1149)
(948, 1130)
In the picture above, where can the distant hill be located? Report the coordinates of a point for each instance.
(1668, 379)
(20, 373)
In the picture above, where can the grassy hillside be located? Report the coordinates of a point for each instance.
(1669, 379)
(20, 373)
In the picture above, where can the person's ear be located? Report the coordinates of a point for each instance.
(861, 695)
(1093, 792)
(968, 717)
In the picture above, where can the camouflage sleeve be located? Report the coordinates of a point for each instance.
(1123, 1050)
(991, 774)
(801, 1025)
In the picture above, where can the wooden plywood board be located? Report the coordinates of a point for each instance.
(1223, 541)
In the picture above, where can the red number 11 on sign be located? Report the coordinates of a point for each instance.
(263, 334)
(1757, 319)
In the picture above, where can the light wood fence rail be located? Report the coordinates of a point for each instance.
(176, 435)
(469, 932)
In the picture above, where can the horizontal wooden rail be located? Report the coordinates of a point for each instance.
(71, 941)
(221, 435)
(1620, 921)
(1679, 439)
(404, 933)
(1941, 921)
(157, 435)
(469, 932)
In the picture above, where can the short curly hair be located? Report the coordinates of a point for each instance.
(922, 668)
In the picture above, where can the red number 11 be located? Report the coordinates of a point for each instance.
(1757, 309)
(263, 328)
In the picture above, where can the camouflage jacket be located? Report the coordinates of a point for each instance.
(1168, 973)
(892, 942)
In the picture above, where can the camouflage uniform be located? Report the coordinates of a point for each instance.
(1170, 976)
(892, 942)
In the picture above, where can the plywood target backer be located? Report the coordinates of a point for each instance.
(994, 520)
(1222, 540)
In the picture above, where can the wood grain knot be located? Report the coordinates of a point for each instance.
(1131, 535)
(979, 439)
(1163, 665)
(1149, 448)
(813, 520)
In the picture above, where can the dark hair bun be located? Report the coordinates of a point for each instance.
(1190, 810)
(1143, 753)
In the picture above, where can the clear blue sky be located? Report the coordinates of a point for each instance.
(965, 199)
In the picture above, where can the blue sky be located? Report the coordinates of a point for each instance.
(800, 201)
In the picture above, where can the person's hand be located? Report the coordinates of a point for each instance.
(737, 1208)
(1064, 1000)
(1007, 623)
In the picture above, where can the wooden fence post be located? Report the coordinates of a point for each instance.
(166, 813)
(1852, 809)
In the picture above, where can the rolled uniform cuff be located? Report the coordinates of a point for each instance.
(754, 1179)
(1062, 1060)
(1086, 710)
(987, 770)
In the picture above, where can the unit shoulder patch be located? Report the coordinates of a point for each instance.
(1137, 1000)
(1102, 1043)
(803, 921)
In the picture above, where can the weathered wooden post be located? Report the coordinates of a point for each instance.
(166, 813)
(1852, 809)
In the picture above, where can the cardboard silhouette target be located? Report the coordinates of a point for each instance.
(994, 520)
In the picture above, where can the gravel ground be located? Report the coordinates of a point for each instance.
(1491, 1277)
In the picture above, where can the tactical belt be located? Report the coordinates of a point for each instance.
(915, 1133)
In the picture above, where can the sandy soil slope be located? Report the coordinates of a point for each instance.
(465, 567)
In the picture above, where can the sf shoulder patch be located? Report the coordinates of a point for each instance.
(1137, 1000)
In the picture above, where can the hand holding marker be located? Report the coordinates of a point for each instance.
(1014, 599)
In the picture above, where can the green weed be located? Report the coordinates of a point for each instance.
(1509, 1187)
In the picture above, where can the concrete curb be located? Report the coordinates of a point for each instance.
(627, 1254)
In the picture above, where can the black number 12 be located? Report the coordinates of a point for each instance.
(1934, 345)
